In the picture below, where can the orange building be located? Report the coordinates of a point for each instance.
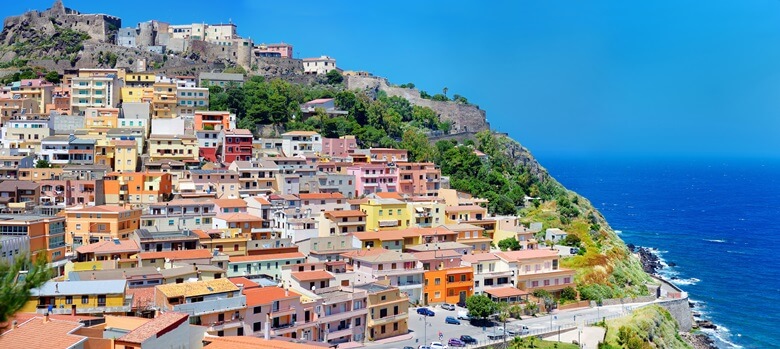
(106, 222)
(46, 233)
(451, 285)
(137, 187)
(212, 120)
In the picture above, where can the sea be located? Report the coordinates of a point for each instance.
(714, 223)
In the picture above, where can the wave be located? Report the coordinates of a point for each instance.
(683, 282)
(720, 241)
(722, 335)
(736, 252)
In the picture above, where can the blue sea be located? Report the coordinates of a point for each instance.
(716, 221)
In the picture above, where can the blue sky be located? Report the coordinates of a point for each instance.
(662, 78)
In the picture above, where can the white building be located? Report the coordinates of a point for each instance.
(319, 66)
(297, 143)
(554, 234)
(94, 92)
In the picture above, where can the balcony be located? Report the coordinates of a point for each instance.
(338, 333)
(283, 311)
(467, 283)
(344, 315)
(388, 319)
(219, 305)
(290, 327)
(224, 325)
(390, 272)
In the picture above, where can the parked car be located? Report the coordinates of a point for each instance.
(462, 304)
(452, 320)
(447, 306)
(438, 345)
(496, 336)
(519, 331)
(454, 342)
(468, 339)
(425, 311)
(408, 347)
(464, 315)
(424, 347)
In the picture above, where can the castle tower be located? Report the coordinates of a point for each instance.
(244, 53)
(57, 8)
(145, 35)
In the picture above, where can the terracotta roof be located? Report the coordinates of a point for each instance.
(505, 292)
(388, 195)
(38, 334)
(261, 200)
(462, 227)
(267, 257)
(345, 213)
(142, 296)
(266, 295)
(246, 283)
(238, 131)
(479, 257)
(312, 275)
(464, 208)
(357, 201)
(201, 234)
(527, 254)
(198, 288)
(238, 217)
(389, 235)
(244, 342)
(320, 196)
(154, 327)
(229, 202)
(111, 246)
(299, 133)
(174, 255)
(102, 209)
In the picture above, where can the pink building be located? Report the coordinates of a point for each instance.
(374, 178)
(419, 178)
(339, 147)
(285, 50)
(276, 311)
(67, 192)
(386, 155)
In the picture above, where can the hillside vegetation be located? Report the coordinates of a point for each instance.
(605, 267)
(646, 328)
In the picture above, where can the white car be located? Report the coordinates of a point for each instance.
(438, 345)
(463, 315)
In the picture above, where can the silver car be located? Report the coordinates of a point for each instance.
(447, 306)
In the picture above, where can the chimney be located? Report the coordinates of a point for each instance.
(286, 292)
(46, 317)
(73, 311)
(13, 325)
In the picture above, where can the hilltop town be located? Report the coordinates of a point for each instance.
(184, 187)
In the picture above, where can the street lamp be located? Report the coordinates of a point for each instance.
(425, 329)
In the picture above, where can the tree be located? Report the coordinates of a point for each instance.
(444, 90)
(480, 306)
(417, 145)
(509, 244)
(42, 163)
(236, 69)
(569, 293)
(15, 287)
(52, 77)
(334, 77)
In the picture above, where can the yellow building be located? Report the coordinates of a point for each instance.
(386, 214)
(427, 213)
(164, 100)
(388, 312)
(101, 118)
(81, 297)
(104, 152)
(458, 214)
(398, 240)
(38, 90)
(125, 156)
(92, 224)
(173, 147)
(137, 94)
(140, 79)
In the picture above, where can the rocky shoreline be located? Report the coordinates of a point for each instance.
(651, 264)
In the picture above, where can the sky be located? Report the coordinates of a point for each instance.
(661, 78)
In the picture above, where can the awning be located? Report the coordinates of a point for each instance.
(186, 186)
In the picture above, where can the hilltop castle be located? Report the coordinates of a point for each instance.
(100, 27)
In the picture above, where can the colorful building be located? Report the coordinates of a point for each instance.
(386, 214)
(137, 187)
(374, 178)
(388, 314)
(90, 225)
(80, 297)
(448, 285)
(216, 304)
(236, 145)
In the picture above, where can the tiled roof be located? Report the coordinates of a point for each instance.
(311, 275)
(111, 246)
(78, 288)
(479, 257)
(18, 185)
(320, 196)
(238, 217)
(266, 295)
(527, 254)
(153, 327)
(225, 203)
(463, 227)
(388, 195)
(300, 133)
(380, 256)
(174, 255)
(101, 209)
(345, 213)
(267, 257)
(261, 200)
(246, 283)
(505, 292)
(427, 255)
(38, 333)
(199, 288)
(244, 342)
(464, 208)
(389, 235)
(142, 296)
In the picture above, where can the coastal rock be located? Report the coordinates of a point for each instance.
(698, 340)
(651, 264)
(706, 324)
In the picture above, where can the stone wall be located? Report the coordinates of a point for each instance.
(100, 27)
(277, 66)
(680, 311)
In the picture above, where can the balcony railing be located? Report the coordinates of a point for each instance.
(227, 324)
(398, 271)
(212, 306)
(388, 319)
(343, 316)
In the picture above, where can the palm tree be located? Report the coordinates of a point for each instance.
(445, 89)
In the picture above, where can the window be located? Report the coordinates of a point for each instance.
(84, 299)
(170, 222)
(68, 299)
(437, 281)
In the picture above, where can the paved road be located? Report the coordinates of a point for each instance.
(537, 325)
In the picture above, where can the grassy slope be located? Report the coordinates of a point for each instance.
(654, 326)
